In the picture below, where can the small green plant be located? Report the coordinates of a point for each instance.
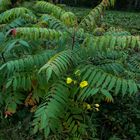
(4, 4)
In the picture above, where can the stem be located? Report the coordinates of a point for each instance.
(73, 39)
(2, 55)
(102, 131)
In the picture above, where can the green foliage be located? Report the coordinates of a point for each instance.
(52, 22)
(14, 13)
(49, 8)
(122, 119)
(67, 18)
(90, 21)
(61, 70)
(48, 114)
(4, 4)
(112, 42)
(33, 33)
(127, 20)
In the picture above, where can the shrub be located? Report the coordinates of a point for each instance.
(60, 71)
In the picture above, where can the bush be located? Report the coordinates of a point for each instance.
(56, 69)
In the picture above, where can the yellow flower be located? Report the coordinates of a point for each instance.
(69, 80)
(83, 84)
(97, 109)
(97, 105)
(88, 107)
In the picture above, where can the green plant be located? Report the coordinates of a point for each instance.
(119, 19)
(121, 119)
(122, 19)
(61, 72)
(4, 4)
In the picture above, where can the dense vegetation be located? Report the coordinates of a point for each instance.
(120, 5)
(128, 21)
(68, 77)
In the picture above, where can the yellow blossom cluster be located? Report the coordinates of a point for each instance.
(82, 84)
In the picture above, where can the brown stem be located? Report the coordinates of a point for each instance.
(2, 55)
(73, 39)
